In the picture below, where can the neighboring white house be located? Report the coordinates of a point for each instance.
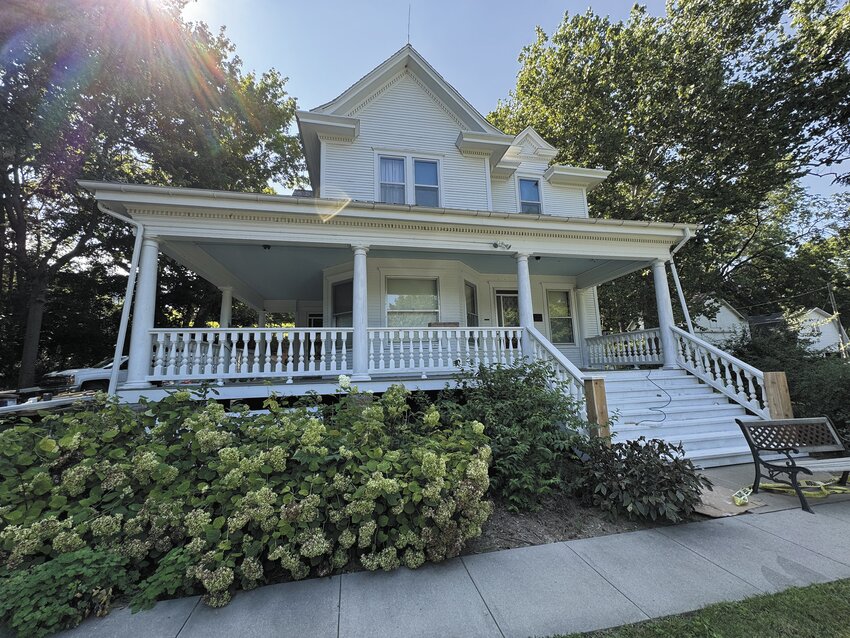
(432, 241)
(726, 325)
(819, 328)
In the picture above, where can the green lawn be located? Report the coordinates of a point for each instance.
(818, 611)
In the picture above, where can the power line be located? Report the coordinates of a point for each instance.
(802, 294)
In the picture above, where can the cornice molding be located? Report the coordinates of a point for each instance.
(400, 226)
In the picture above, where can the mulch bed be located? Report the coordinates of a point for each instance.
(559, 519)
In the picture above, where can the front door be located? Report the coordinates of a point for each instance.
(507, 308)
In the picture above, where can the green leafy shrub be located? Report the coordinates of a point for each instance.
(194, 497)
(58, 594)
(640, 479)
(532, 423)
(170, 579)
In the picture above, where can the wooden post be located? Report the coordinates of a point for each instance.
(597, 407)
(777, 396)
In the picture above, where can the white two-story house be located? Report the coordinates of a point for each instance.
(431, 240)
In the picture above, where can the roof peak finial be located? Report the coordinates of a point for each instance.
(408, 23)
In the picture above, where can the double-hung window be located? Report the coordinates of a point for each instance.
(404, 179)
(529, 196)
(426, 185)
(342, 297)
(393, 184)
(471, 294)
(560, 316)
(412, 303)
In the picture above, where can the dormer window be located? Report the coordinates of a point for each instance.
(392, 180)
(529, 196)
(405, 178)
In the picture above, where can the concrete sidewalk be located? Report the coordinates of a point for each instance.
(564, 587)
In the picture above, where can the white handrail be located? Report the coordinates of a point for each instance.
(565, 370)
(717, 351)
(441, 350)
(738, 380)
(626, 348)
(189, 354)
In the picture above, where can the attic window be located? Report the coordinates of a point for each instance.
(426, 184)
(392, 180)
(402, 178)
(529, 196)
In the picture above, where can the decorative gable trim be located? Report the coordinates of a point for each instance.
(371, 98)
(408, 59)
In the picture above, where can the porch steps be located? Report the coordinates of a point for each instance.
(677, 407)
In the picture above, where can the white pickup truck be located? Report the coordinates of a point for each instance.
(82, 379)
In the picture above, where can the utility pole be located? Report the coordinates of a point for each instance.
(842, 336)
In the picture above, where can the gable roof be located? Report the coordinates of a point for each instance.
(543, 148)
(410, 59)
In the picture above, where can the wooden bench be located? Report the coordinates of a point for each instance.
(795, 436)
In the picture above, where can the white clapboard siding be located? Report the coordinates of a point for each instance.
(591, 321)
(563, 201)
(404, 117)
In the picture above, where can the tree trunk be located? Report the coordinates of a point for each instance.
(37, 300)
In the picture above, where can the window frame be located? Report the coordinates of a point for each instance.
(387, 311)
(520, 200)
(410, 158)
(477, 313)
(334, 314)
(428, 186)
(571, 300)
(403, 183)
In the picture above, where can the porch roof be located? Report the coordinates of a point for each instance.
(127, 198)
(191, 222)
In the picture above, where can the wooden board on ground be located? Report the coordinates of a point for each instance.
(718, 503)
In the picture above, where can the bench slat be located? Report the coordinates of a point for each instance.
(840, 465)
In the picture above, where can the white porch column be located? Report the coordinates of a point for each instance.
(225, 316)
(360, 317)
(144, 310)
(665, 314)
(526, 313)
(261, 318)
(583, 329)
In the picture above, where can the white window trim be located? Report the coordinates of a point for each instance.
(435, 278)
(333, 276)
(409, 173)
(571, 296)
(536, 178)
(466, 313)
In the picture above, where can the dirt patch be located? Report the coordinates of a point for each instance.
(559, 519)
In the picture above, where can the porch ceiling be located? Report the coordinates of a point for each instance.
(259, 272)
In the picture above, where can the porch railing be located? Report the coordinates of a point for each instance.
(739, 381)
(242, 353)
(435, 350)
(625, 348)
(565, 370)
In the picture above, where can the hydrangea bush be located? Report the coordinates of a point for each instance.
(198, 498)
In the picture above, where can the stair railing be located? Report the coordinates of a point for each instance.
(739, 381)
(565, 370)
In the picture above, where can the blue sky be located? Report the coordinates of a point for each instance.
(323, 46)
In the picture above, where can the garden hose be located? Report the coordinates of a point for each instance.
(809, 487)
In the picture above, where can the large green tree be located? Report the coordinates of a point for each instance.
(703, 115)
(115, 91)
